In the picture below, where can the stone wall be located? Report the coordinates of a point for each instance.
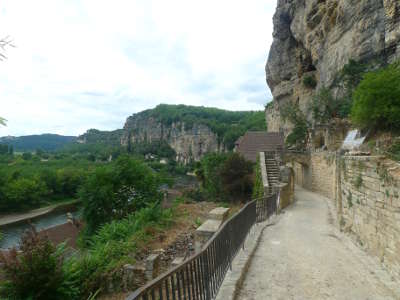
(323, 170)
(370, 206)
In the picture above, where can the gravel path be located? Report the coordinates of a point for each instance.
(304, 257)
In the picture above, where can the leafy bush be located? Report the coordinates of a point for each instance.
(309, 81)
(299, 135)
(225, 176)
(377, 99)
(23, 193)
(113, 245)
(352, 74)
(113, 192)
(208, 174)
(195, 194)
(236, 177)
(394, 151)
(258, 189)
(36, 272)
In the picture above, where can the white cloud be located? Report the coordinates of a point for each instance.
(92, 63)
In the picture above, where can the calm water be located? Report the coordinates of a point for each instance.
(13, 233)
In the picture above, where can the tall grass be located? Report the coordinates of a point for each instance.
(114, 245)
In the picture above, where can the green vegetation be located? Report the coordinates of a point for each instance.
(46, 142)
(298, 138)
(114, 245)
(112, 192)
(94, 136)
(258, 189)
(352, 74)
(121, 211)
(85, 273)
(394, 151)
(358, 181)
(30, 183)
(309, 81)
(36, 272)
(228, 125)
(377, 99)
(226, 177)
(350, 200)
(325, 107)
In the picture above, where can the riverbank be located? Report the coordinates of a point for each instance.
(16, 218)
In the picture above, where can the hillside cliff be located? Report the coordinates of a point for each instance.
(318, 38)
(189, 143)
(191, 131)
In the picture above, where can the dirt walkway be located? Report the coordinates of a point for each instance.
(303, 257)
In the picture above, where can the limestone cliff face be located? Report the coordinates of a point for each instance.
(318, 37)
(189, 143)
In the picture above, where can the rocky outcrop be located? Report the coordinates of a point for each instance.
(317, 38)
(189, 143)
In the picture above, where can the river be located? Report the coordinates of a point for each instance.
(12, 233)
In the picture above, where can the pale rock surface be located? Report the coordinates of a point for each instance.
(318, 38)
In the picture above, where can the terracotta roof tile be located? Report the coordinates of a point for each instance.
(254, 142)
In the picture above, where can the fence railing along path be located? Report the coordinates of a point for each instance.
(200, 277)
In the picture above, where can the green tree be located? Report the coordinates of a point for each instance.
(69, 180)
(26, 156)
(208, 174)
(237, 177)
(112, 193)
(24, 193)
(376, 101)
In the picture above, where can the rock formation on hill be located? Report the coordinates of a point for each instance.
(189, 143)
(317, 38)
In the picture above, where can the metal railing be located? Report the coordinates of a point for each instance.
(200, 277)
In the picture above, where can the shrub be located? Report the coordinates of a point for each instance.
(377, 99)
(36, 272)
(208, 174)
(113, 193)
(24, 193)
(309, 81)
(352, 74)
(394, 151)
(299, 135)
(258, 189)
(236, 177)
(225, 176)
(113, 245)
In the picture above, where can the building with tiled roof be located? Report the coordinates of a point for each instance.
(254, 142)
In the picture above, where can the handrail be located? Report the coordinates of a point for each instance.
(200, 276)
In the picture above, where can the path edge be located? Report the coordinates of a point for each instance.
(233, 282)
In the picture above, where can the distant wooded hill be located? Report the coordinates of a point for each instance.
(228, 125)
(94, 136)
(46, 142)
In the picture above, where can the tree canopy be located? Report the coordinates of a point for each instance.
(377, 99)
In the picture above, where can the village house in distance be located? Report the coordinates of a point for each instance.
(253, 142)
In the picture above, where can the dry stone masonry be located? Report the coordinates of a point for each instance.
(366, 193)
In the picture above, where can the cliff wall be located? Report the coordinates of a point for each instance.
(189, 142)
(317, 38)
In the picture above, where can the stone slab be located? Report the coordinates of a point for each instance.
(219, 213)
(209, 226)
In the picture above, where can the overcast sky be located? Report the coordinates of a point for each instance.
(81, 64)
